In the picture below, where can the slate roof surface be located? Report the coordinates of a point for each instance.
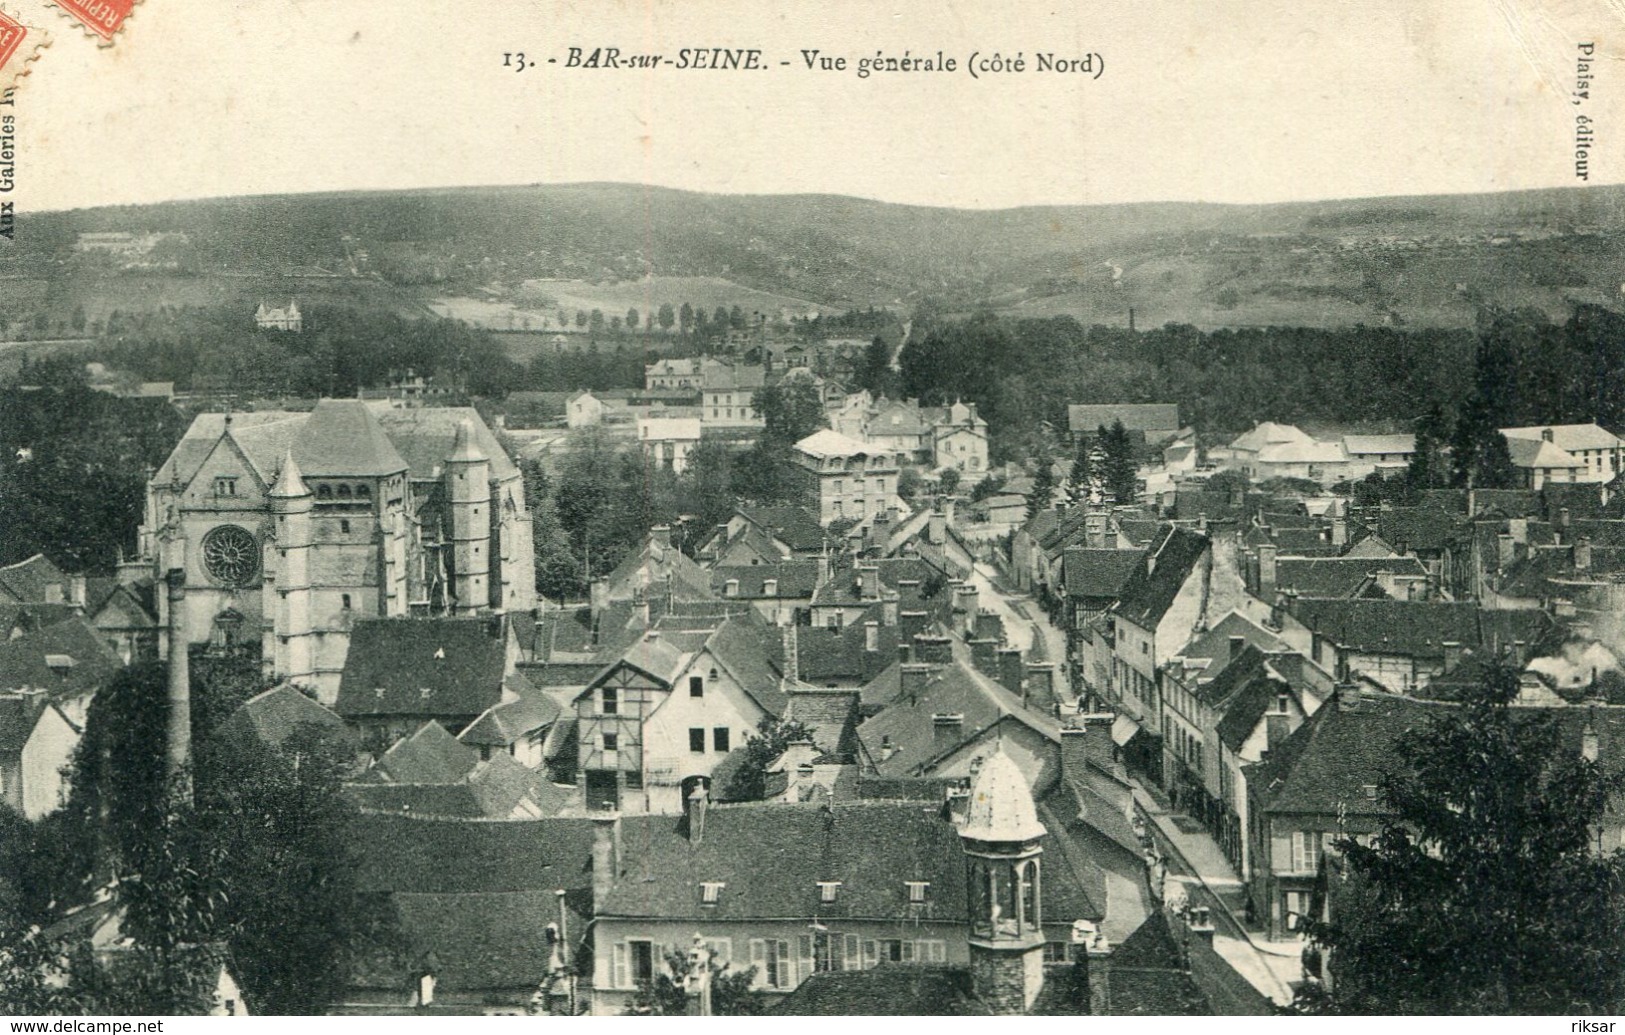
(343, 437)
(424, 437)
(840, 656)
(844, 586)
(1147, 595)
(448, 667)
(747, 654)
(1568, 437)
(505, 723)
(769, 857)
(827, 443)
(1247, 708)
(17, 721)
(1331, 759)
(1379, 444)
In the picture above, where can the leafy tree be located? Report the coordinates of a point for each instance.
(1484, 892)
(685, 319)
(581, 318)
(720, 320)
(666, 995)
(745, 776)
(764, 474)
(632, 319)
(790, 411)
(874, 370)
(666, 316)
(1479, 456)
(985, 488)
(949, 480)
(736, 318)
(595, 320)
(908, 483)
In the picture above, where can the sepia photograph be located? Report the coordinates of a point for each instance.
(917, 508)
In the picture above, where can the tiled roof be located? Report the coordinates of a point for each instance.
(505, 723)
(832, 716)
(17, 721)
(826, 656)
(797, 527)
(432, 856)
(25, 662)
(431, 755)
(769, 858)
(342, 437)
(1358, 445)
(275, 715)
(1247, 705)
(896, 990)
(1391, 627)
(25, 582)
(747, 653)
(796, 579)
(425, 435)
(1148, 976)
(827, 443)
(1425, 528)
(844, 586)
(1338, 576)
(1085, 419)
(1171, 558)
(1512, 503)
(1269, 433)
(432, 667)
(1098, 574)
(956, 688)
(1330, 761)
(1568, 437)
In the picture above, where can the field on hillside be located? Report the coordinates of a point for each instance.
(649, 293)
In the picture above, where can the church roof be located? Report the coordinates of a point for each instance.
(341, 437)
(1001, 804)
(425, 437)
(290, 484)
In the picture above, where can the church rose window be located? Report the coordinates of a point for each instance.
(231, 555)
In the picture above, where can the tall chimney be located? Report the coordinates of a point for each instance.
(911, 624)
(871, 636)
(1582, 553)
(1504, 544)
(933, 650)
(1340, 531)
(869, 574)
(888, 608)
(946, 731)
(911, 679)
(178, 740)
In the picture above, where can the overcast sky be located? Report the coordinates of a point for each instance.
(1243, 101)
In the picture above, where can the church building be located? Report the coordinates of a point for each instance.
(289, 526)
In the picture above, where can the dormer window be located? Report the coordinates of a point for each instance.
(827, 890)
(363, 492)
(711, 891)
(324, 492)
(916, 890)
(344, 492)
(731, 588)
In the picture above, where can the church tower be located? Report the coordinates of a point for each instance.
(468, 499)
(294, 634)
(1000, 842)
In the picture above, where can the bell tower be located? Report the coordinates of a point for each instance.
(468, 498)
(293, 634)
(1002, 870)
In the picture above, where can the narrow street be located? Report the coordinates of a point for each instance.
(1026, 625)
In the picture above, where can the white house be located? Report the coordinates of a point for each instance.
(36, 744)
(668, 441)
(1566, 453)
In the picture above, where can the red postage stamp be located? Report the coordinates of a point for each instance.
(102, 17)
(12, 34)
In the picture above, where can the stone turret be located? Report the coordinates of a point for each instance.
(1000, 841)
(294, 632)
(468, 498)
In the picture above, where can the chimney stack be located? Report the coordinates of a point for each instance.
(869, 581)
(1452, 655)
(1340, 530)
(1582, 553)
(1266, 571)
(910, 624)
(1041, 685)
(1011, 671)
(1589, 748)
(888, 608)
(1237, 645)
(936, 528)
(1094, 529)
(947, 731)
(1504, 551)
(1089, 742)
(660, 535)
(178, 741)
(871, 636)
(606, 853)
(967, 602)
(911, 679)
(933, 650)
(984, 655)
(699, 799)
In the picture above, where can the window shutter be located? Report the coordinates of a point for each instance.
(908, 952)
(1297, 851)
(785, 975)
(805, 963)
(853, 960)
(871, 954)
(619, 977)
(758, 959)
